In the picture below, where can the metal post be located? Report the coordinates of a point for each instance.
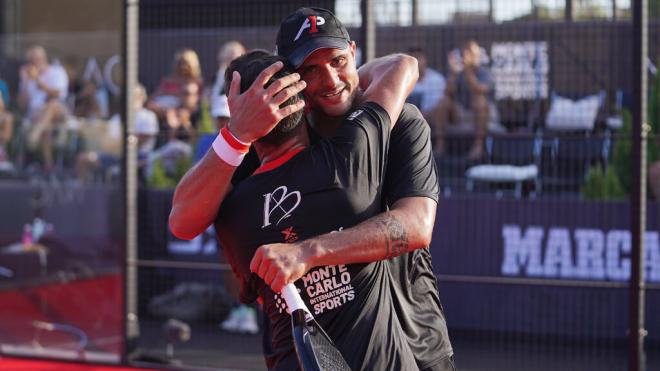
(636, 332)
(614, 10)
(130, 70)
(368, 30)
(10, 26)
(415, 12)
(568, 10)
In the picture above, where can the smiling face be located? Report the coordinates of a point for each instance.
(332, 80)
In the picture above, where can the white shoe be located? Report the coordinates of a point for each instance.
(233, 320)
(242, 320)
(248, 323)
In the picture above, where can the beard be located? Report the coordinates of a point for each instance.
(284, 130)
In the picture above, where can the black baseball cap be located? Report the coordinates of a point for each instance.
(307, 30)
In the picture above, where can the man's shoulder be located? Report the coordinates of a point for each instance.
(367, 112)
(409, 113)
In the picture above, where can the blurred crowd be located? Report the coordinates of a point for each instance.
(60, 123)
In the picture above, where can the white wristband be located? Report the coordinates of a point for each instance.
(226, 152)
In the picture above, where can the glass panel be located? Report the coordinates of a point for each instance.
(61, 208)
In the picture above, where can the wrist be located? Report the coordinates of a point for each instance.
(313, 253)
(240, 137)
(229, 148)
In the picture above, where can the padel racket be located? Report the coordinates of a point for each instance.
(315, 349)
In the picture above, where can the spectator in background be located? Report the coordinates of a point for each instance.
(6, 121)
(220, 112)
(41, 96)
(228, 52)
(146, 125)
(469, 92)
(82, 99)
(176, 99)
(430, 87)
(103, 141)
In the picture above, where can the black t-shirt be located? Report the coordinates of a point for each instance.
(411, 172)
(334, 184)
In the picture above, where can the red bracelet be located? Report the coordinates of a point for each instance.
(234, 142)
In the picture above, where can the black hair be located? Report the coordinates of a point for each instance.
(249, 66)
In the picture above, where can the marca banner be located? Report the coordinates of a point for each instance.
(550, 267)
(574, 253)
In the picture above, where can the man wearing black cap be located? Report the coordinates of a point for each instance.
(319, 47)
(347, 292)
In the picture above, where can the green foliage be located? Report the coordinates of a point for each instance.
(592, 189)
(612, 189)
(160, 178)
(602, 185)
(205, 123)
(622, 149)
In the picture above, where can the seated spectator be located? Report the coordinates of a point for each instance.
(103, 140)
(220, 115)
(228, 52)
(469, 91)
(6, 122)
(83, 96)
(430, 87)
(220, 112)
(146, 126)
(42, 92)
(176, 100)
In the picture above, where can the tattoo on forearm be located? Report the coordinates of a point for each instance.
(395, 235)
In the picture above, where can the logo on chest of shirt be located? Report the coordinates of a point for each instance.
(290, 236)
(279, 204)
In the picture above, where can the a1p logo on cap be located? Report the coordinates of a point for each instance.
(311, 22)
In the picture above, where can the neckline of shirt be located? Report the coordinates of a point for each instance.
(270, 165)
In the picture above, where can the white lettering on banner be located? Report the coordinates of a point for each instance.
(557, 259)
(520, 69)
(586, 254)
(590, 250)
(522, 251)
(618, 268)
(328, 287)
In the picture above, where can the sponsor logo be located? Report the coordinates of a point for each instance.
(588, 254)
(353, 115)
(279, 205)
(290, 236)
(328, 288)
(312, 22)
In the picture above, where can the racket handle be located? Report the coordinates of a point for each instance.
(293, 299)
